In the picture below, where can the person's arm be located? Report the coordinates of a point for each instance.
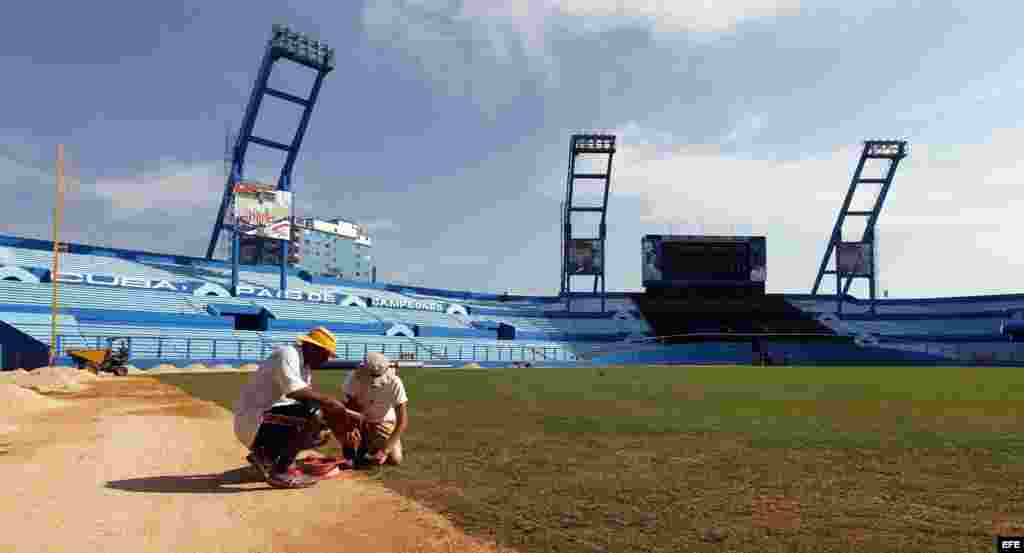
(401, 406)
(330, 405)
(288, 374)
(401, 423)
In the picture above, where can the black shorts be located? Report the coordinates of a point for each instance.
(280, 425)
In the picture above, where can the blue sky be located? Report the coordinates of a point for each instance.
(445, 128)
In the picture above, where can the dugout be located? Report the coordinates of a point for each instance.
(21, 351)
(245, 317)
(1013, 330)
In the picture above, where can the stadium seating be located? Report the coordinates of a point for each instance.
(845, 354)
(698, 353)
(38, 325)
(70, 262)
(178, 325)
(927, 327)
(769, 313)
(94, 297)
(826, 304)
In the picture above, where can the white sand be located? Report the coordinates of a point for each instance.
(19, 401)
(52, 379)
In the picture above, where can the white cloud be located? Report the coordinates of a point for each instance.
(455, 42)
(663, 15)
(675, 16)
(170, 185)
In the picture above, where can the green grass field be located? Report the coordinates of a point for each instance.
(657, 458)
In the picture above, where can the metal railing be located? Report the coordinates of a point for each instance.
(630, 345)
(998, 351)
(184, 348)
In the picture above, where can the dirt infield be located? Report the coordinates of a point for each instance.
(130, 464)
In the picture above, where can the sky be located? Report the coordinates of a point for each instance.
(445, 128)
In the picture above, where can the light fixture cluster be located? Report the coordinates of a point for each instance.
(594, 142)
(887, 148)
(302, 48)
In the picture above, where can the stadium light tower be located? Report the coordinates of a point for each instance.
(856, 259)
(585, 256)
(284, 44)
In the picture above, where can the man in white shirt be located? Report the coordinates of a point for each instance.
(378, 394)
(279, 413)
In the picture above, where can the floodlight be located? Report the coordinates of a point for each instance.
(887, 148)
(594, 143)
(301, 48)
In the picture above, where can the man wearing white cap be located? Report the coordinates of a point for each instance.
(279, 413)
(375, 390)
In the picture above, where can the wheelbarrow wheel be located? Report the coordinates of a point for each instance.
(121, 370)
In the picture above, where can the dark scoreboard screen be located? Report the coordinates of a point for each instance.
(703, 260)
(708, 261)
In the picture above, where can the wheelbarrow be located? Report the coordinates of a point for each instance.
(102, 359)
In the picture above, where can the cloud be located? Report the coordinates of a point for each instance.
(949, 211)
(673, 16)
(170, 185)
(745, 74)
(498, 51)
(169, 208)
(531, 17)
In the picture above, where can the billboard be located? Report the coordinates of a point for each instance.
(853, 259)
(585, 257)
(696, 260)
(261, 210)
(259, 250)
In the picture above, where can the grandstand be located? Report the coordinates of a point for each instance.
(178, 310)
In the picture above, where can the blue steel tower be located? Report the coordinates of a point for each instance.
(585, 255)
(284, 45)
(890, 153)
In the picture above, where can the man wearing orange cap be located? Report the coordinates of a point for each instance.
(279, 413)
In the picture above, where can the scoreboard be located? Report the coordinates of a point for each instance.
(688, 261)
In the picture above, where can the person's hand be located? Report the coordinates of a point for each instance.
(334, 407)
(380, 457)
(355, 417)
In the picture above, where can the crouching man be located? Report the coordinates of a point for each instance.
(279, 413)
(375, 390)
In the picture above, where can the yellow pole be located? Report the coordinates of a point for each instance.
(58, 210)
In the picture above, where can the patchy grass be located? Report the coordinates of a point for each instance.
(711, 458)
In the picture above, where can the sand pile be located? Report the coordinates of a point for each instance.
(471, 366)
(167, 368)
(54, 379)
(163, 368)
(20, 401)
(11, 377)
(194, 367)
